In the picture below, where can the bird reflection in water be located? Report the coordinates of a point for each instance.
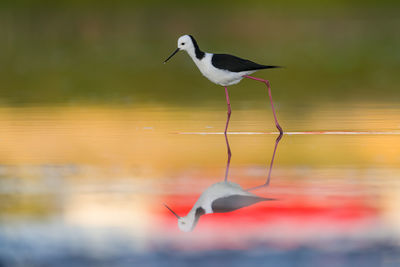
(223, 196)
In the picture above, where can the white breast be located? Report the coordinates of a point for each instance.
(219, 190)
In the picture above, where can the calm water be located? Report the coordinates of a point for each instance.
(86, 185)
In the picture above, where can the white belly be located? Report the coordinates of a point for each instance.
(218, 76)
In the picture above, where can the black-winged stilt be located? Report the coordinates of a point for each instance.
(223, 69)
(219, 197)
(223, 196)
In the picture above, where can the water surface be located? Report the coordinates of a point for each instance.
(86, 185)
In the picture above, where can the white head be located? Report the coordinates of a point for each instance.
(185, 43)
(185, 224)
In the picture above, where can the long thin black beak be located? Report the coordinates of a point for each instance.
(176, 51)
(173, 212)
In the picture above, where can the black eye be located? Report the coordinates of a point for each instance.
(182, 43)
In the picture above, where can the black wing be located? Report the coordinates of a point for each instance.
(236, 64)
(234, 202)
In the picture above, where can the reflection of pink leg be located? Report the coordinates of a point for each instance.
(229, 156)
(229, 109)
(270, 98)
(226, 137)
(270, 165)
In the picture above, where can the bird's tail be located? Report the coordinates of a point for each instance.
(268, 199)
(270, 67)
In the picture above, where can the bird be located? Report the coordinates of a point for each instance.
(223, 69)
(220, 197)
(223, 196)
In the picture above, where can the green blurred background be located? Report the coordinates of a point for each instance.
(100, 52)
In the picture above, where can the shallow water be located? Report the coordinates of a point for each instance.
(86, 185)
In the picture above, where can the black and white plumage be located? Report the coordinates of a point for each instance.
(221, 69)
(236, 64)
(223, 196)
(219, 197)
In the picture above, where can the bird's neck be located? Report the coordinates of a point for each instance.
(195, 53)
(194, 215)
(190, 217)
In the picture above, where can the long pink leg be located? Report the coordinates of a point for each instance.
(226, 137)
(270, 98)
(229, 157)
(229, 109)
(278, 139)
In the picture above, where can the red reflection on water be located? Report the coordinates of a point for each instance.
(334, 212)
